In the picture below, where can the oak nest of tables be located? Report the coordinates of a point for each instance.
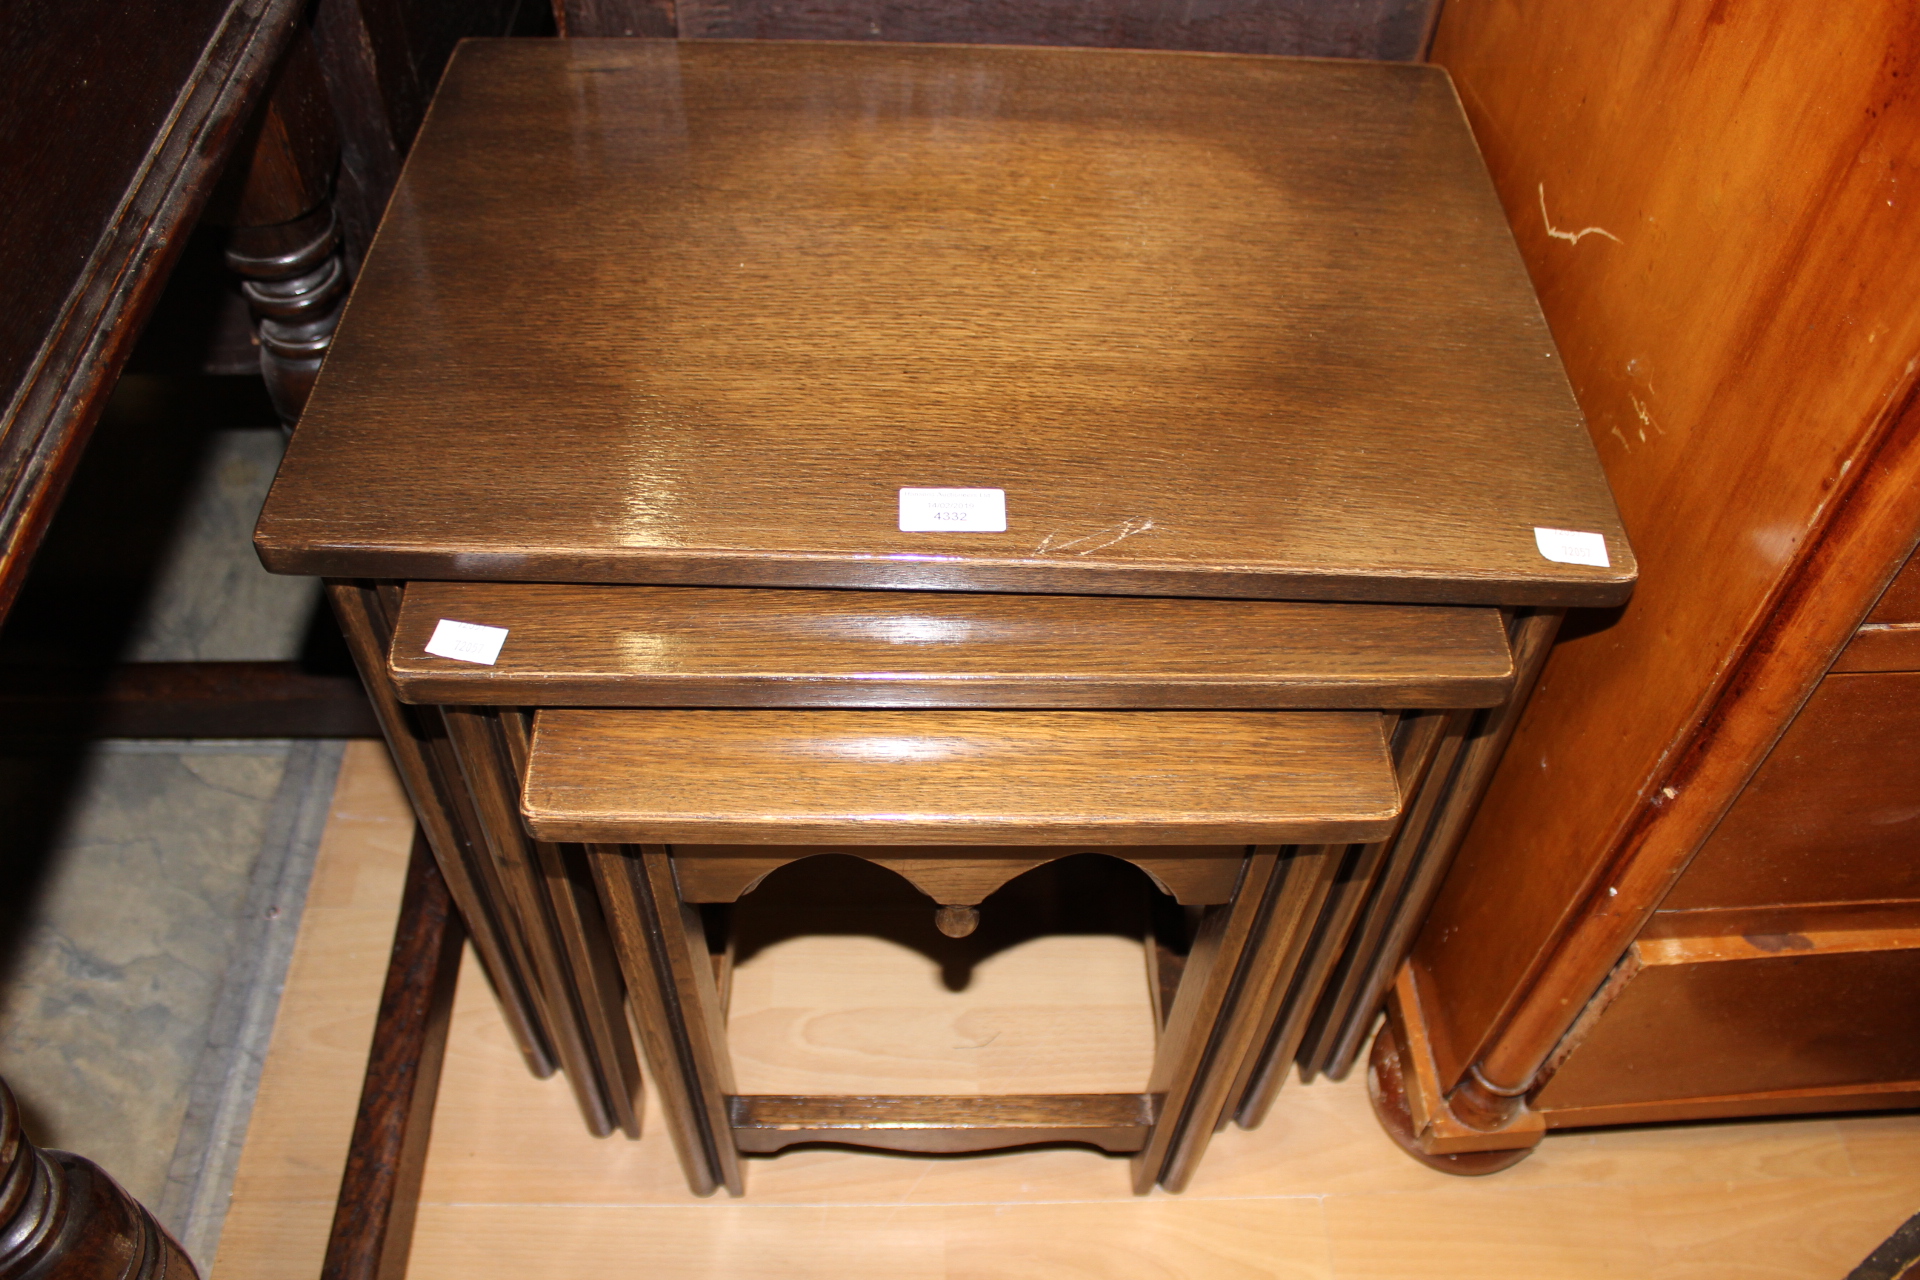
(961, 458)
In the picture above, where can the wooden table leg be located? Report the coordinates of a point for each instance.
(365, 623)
(676, 1006)
(575, 907)
(597, 1084)
(380, 1189)
(1241, 954)
(1424, 760)
(1531, 633)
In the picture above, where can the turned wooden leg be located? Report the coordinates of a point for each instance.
(63, 1218)
(285, 238)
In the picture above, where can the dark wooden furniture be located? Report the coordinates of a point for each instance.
(138, 143)
(1165, 303)
(1148, 337)
(88, 246)
(840, 762)
(63, 1218)
(380, 1187)
(1378, 29)
(1691, 892)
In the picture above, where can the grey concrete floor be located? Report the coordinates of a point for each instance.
(150, 890)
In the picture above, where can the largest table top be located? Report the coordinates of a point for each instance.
(647, 311)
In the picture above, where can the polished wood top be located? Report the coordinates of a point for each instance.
(731, 647)
(960, 777)
(695, 312)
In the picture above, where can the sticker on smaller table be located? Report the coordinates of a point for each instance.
(1571, 546)
(467, 642)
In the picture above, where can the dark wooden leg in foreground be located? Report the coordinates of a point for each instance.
(373, 1221)
(63, 1218)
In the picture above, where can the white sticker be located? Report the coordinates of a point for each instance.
(467, 642)
(1570, 546)
(962, 510)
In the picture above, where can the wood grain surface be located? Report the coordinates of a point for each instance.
(1115, 1122)
(589, 646)
(515, 1186)
(958, 875)
(1834, 813)
(1216, 325)
(1882, 646)
(1742, 162)
(1313, 28)
(959, 777)
(380, 1186)
(1761, 1018)
(1901, 600)
(113, 128)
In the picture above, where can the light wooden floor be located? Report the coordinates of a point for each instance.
(514, 1187)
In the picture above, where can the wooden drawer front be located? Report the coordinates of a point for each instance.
(1816, 1012)
(1882, 646)
(1834, 813)
(1889, 640)
(1901, 601)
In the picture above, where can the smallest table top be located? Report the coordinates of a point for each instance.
(960, 777)
(697, 313)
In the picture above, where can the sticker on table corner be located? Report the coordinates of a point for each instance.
(467, 642)
(958, 510)
(1570, 546)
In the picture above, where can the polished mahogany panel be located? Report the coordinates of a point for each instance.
(721, 647)
(1900, 604)
(1705, 196)
(646, 311)
(1711, 1017)
(960, 777)
(1834, 813)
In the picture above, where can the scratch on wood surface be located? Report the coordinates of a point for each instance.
(1106, 538)
(1646, 419)
(1623, 440)
(1571, 237)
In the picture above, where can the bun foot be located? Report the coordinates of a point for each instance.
(1386, 1087)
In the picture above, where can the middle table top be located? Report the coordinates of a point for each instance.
(696, 313)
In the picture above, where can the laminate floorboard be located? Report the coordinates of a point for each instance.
(514, 1186)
